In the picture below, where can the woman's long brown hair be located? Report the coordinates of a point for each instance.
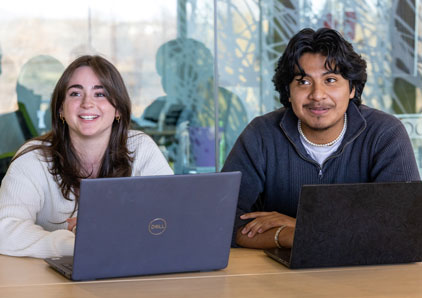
(56, 145)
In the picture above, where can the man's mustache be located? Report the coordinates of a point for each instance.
(317, 106)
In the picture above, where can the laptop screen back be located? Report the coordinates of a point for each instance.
(159, 224)
(358, 224)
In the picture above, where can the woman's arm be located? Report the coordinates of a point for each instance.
(24, 192)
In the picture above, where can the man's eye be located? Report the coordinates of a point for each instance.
(302, 82)
(331, 80)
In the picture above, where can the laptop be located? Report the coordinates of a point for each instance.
(356, 224)
(152, 225)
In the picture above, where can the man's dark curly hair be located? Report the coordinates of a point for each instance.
(341, 58)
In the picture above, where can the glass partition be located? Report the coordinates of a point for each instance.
(189, 82)
(253, 34)
(38, 39)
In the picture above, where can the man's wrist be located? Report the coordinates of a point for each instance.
(277, 234)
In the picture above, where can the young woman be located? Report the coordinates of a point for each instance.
(90, 138)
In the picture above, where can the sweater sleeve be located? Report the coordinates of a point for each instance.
(21, 198)
(394, 159)
(149, 160)
(247, 156)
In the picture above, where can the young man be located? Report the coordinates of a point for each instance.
(322, 135)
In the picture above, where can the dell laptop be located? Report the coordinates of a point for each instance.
(152, 225)
(356, 224)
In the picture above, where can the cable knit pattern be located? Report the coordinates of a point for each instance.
(32, 205)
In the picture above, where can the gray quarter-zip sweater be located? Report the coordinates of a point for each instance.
(275, 165)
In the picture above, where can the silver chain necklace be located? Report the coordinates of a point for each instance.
(299, 128)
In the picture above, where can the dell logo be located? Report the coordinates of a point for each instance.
(157, 226)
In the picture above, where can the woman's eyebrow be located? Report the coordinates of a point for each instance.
(78, 86)
(75, 86)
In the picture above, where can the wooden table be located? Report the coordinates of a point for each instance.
(250, 274)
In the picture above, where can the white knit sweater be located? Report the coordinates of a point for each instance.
(32, 205)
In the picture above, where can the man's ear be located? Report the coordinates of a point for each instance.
(352, 93)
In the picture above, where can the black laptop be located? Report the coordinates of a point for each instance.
(151, 225)
(356, 224)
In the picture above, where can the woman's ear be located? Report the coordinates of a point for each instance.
(117, 116)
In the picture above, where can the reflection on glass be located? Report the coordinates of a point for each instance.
(10, 128)
(183, 120)
(35, 85)
(179, 111)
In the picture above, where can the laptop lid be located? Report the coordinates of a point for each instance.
(158, 224)
(358, 224)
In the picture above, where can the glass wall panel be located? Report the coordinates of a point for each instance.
(166, 53)
(182, 120)
(252, 35)
(38, 39)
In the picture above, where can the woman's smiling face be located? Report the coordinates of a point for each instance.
(86, 109)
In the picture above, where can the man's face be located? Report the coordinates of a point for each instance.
(320, 98)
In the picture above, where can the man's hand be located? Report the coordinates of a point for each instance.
(265, 221)
(71, 224)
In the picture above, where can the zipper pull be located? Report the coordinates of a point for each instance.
(320, 174)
